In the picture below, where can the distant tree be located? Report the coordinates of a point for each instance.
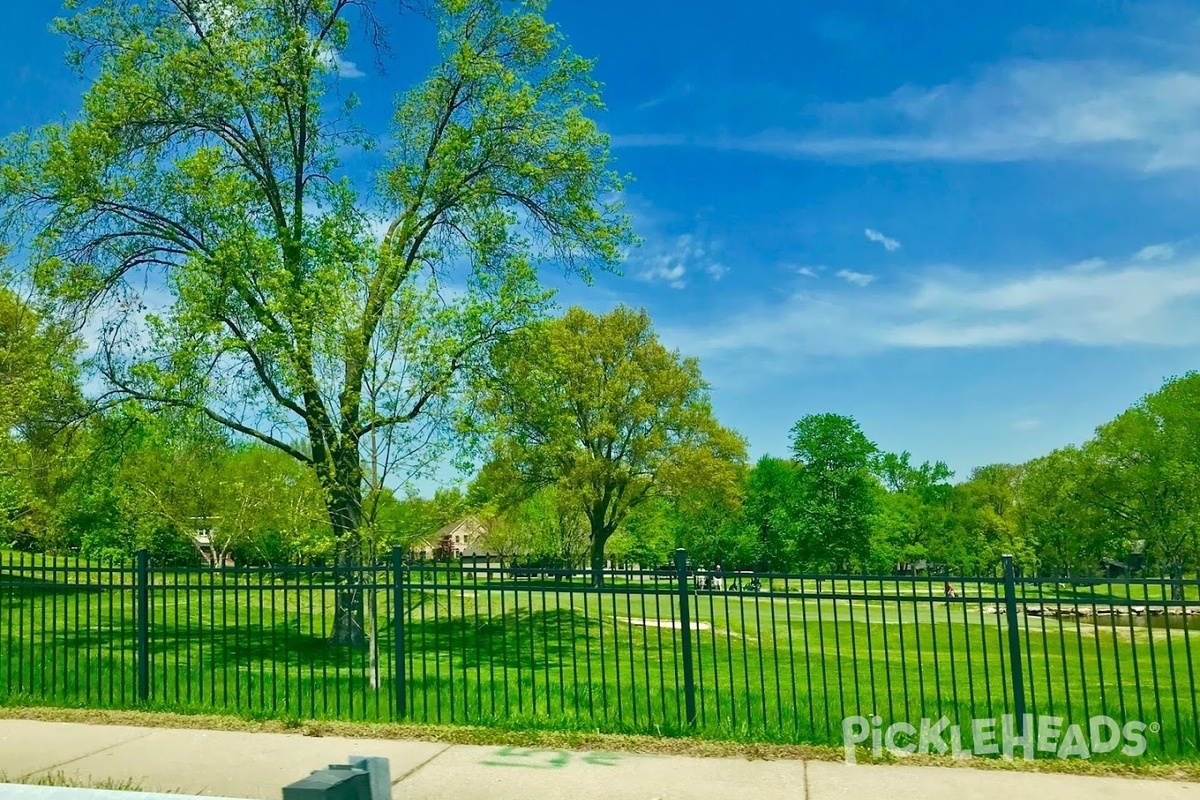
(987, 510)
(716, 537)
(916, 514)
(1146, 474)
(894, 525)
(713, 533)
(651, 533)
(272, 508)
(837, 489)
(145, 481)
(596, 407)
(1060, 518)
(898, 474)
(772, 509)
(412, 520)
(544, 525)
(161, 481)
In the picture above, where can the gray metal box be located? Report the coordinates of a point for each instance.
(339, 782)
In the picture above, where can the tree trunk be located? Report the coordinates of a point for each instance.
(346, 513)
(597, 563)
(1177, 582)
(599, 539)
(348, 628)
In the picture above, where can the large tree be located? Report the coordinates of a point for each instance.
(837, 490)
(987, 515)
(1059, 517)
(916, 509)
(773, 509)
(597, 407)
(1146, 475)
(210, 163)
(39, 395)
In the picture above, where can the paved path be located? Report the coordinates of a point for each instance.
(258, 765)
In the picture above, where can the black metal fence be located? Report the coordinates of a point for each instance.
(753, 656)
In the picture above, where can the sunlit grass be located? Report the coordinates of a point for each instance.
(545, 656)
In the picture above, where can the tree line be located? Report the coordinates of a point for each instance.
(1126, 501)
(597, 443)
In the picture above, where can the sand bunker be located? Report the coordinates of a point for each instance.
(676, 625)
(662, 623)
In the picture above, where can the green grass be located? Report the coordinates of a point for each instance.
(540, 656)
(62, 779)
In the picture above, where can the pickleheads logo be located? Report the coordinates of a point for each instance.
(996, 737)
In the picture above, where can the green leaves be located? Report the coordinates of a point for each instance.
(38, 372)
(837, 488)
(39, 397)
(1146, 475)
(207, 164)
(596, 407)
(1128, 492)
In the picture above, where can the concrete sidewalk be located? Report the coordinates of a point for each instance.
(258, 765)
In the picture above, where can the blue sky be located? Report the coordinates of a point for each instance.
(972, 226)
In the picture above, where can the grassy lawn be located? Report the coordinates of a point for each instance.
(769, 668)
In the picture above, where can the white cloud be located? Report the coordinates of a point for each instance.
(889, 244)
(1026, 424)
(348, 69)
(857, 278)
(1014, 111)
(807, 272)
(343, 67)
(378, 226)
(674, 260)
(1129, 302)
(658, 140)
(1087, 265)
(1155, 252)
(664, 269)
(679, 90)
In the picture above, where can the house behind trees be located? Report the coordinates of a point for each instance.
(455, 540)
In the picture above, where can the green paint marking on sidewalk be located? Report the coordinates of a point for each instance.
(546, 759)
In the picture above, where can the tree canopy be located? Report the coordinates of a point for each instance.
(39, 396)
(834, 458)
(209, 162)
(597, 407)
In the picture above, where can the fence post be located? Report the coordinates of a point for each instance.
(1014, 645)
(398, 609)
(397, 630)
(689, 679)
(143, 624)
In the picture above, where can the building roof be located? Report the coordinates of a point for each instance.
(472, 526)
